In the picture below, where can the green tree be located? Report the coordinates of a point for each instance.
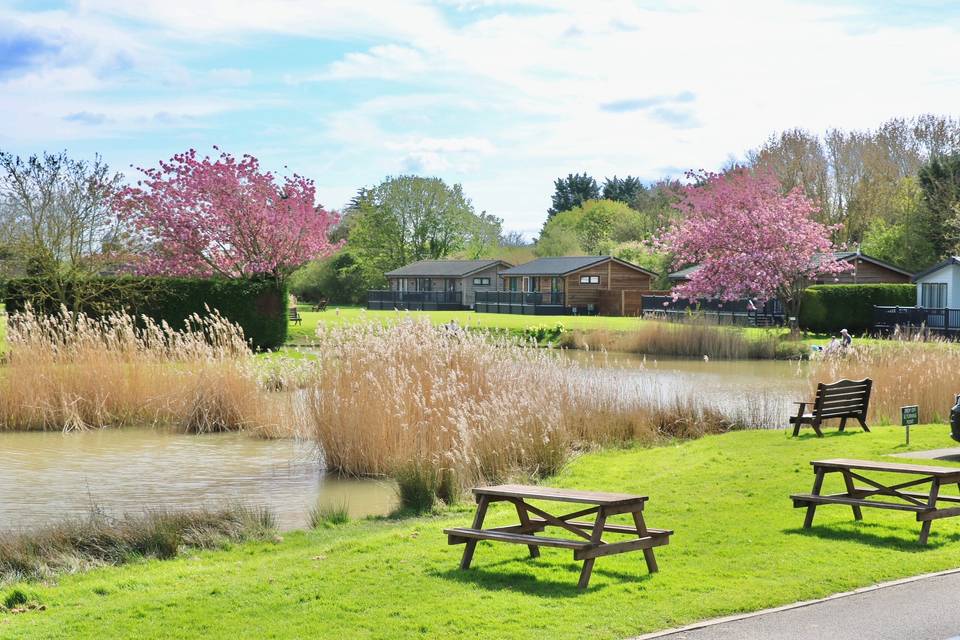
(899, 234)
(409, 218)
(571, 192)
(940, 181)
(629, 190)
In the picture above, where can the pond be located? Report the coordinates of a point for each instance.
(46, 477)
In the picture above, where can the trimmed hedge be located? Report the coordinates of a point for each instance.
(258, 305)
(831, 307)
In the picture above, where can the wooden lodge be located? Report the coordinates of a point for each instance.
(569, 285)
(431, 285)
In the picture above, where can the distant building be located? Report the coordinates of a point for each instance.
(866, 270)
(576, 284)
(438, 284)
(939, 286)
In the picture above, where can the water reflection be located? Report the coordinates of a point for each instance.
(46, 477)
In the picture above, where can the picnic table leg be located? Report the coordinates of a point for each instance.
(525, 522)
(596, 538)
(812, 508)
(932, 503)
(851, 489)
(642, 533)
(468, 550)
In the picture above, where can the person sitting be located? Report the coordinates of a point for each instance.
(845, 339)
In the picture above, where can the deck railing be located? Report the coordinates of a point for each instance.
(736, 312)
(940, 320)
(390, 298)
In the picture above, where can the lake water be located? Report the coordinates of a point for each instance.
(46, 477)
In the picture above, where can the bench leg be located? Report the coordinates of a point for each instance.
(851, 489)
(812, 508)
(816, 427)
(932, 503)
(477, 524)
(642, 533)
(863, 425)
(525, 521)
(796, 429)
(843, 423)
(595, 538)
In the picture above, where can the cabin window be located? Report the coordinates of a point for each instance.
(589, 279)
(513, 284)
(481, 282)
(933, 295)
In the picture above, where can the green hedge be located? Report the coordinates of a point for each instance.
(258, 305)
(831, 307)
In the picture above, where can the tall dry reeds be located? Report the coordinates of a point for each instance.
(439, 409)
(686, 339)
(66, 371)
(904, 371)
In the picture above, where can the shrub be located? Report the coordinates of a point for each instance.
(831, 307)
(543, 334)
(327, 515)
(257, 305)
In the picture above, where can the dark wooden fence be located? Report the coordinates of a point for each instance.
(414, 300)
(943, 321)
(735, 312)
(542, 303)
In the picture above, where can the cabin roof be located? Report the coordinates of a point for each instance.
(946, 263)
(843, 256)
(561, 266)
(444, 268)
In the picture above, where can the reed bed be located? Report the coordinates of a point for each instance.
(66, 371)
(904, 370)
(439, 409)
(686, 339)
(98, 539)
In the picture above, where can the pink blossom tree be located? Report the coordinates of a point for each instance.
(224, 217)
(750, 240)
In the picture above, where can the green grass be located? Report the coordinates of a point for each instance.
(738, 547)
(350, 315)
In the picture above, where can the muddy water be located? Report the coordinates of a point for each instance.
(45, 477)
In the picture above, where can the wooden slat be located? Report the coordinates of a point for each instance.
(518, 538)
(560, 495)
(892, 467)
(939, 513)
(610, 549)
(806, 499)
(607, 527)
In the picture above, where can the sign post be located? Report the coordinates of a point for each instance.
(909, 415)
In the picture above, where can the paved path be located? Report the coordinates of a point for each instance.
(925, 609)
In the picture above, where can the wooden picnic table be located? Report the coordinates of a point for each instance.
(924, 504)
(589, 545)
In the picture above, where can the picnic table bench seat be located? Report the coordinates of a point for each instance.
(588, 544)
(924, 504)
(843, 400)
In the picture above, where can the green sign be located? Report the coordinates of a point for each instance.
(909, 415)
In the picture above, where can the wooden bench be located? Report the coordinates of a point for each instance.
(924, 504)
(320, 306)
(588, 544)
(843, 399)
(295, 316)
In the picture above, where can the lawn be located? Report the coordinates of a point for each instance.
(351, 315)
(738, 547)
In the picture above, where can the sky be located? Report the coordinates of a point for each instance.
(502, 97)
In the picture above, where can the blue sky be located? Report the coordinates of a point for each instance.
(500, 96)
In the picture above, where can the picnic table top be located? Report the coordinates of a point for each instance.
(893, 467)
(561, 495)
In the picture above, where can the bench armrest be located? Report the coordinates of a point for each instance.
(803, 407)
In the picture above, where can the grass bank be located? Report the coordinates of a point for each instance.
(738, 547)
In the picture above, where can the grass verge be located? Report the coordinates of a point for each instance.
(738, 547)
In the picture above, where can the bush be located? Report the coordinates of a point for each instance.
(831, 307)
(258, 305)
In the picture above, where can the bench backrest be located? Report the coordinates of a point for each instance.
(850, 398)
(294, 313)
